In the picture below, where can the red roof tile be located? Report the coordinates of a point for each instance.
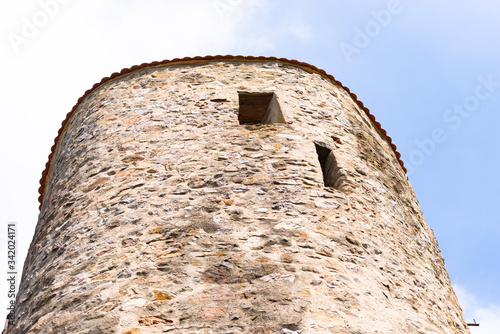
(194, 60)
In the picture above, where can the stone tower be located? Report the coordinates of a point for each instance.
(229, 194)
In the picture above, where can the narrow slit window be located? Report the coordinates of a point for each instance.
(259, 108)
(332, 174)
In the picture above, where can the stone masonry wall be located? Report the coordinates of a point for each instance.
(163, 214)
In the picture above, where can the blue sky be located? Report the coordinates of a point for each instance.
(422, 67)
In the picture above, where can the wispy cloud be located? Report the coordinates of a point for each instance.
(300, 30)
(487, 315)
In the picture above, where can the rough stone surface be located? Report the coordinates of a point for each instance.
(163, 214)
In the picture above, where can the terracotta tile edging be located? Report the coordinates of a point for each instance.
(196, 60)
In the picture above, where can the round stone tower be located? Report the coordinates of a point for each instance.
(229, 194)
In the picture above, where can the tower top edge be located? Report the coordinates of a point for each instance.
(198, 61)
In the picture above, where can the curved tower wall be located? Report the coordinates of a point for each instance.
(162, 212)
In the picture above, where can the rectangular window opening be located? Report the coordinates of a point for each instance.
(259, 108)
(332, 174)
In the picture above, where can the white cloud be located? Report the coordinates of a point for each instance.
(488, 316)
(300, 30)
